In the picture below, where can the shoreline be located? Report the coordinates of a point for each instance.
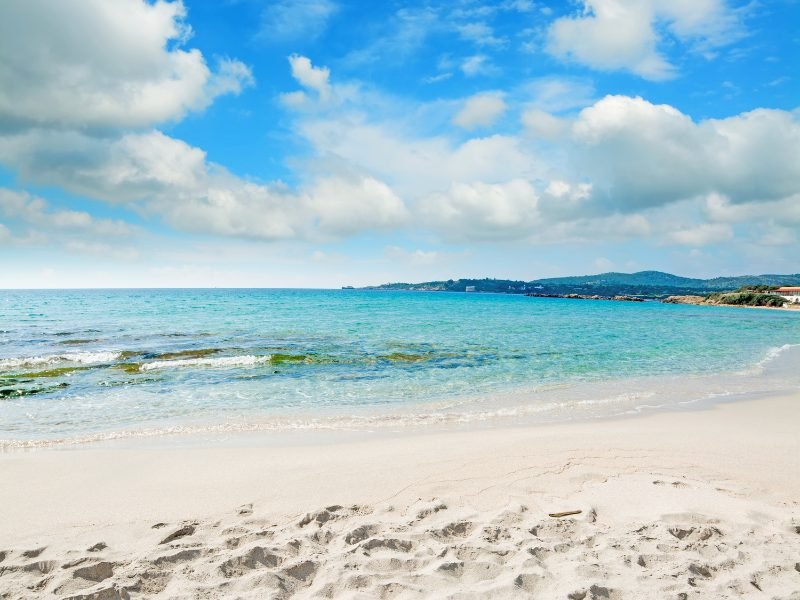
(513, 408)
(731, 467)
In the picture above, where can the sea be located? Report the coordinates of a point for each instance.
(80, 366)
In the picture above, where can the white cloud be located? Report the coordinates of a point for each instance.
(479, 33)
(295, 19)
(295, 100)
(475, 65)
(606, 172)
(93, 63)
(613, 35)
(638, 154)
(784, 211)
(404, 33)
(621, 156)
(170, 179)
(311, 77)
(418, 166)
(345, 206)
(564, 191)
(438, 78)
(558, 94)
(544, 125)
(702, 235)
(231, 77)
(481, 110)
(35, 211)
(481, 211)
(594, 229)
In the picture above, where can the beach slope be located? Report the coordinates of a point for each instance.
(696, 504)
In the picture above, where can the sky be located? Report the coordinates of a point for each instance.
(320, 143)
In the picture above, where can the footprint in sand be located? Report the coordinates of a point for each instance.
(178, 557)
(359, 534)
(456, 529)
(34, 553)
(97, 572)
(187, 529)
(387, 544)
(255, 558)
(303, 571)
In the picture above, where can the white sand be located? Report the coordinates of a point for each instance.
(697, 504)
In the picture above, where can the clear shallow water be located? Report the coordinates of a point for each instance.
(85, 365)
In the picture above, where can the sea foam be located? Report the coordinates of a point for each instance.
(222, 362)
(86, 358)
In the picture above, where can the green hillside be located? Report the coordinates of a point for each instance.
(653, 284)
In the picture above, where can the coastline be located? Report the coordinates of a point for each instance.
(512, 408)
(728, 472)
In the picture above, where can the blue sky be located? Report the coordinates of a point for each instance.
(317, 143)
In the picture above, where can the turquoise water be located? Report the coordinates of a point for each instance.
(82, 365)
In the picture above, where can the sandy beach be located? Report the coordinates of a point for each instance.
(701, 503)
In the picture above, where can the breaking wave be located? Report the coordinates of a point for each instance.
(222, 362)
(86, 358)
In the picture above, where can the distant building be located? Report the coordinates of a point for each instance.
(471, 288)
(790, 293)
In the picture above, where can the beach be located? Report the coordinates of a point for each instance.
(698, 503)
(416, 299)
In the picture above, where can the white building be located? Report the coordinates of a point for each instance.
(471, 288)
(790, 294)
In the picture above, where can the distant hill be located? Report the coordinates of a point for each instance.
(652, 278)
(661, 279)
(647, 284)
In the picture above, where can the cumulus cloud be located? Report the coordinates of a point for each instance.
(168, 178)
(608, 172)
(345, 206)
(613, 35)
(92, 63)
(481, 110)
(417, 166)
(639, 154)
(483, 211)
(311, 77)
(784, 211)
(35, 211)
(616, 163)
(544, 125)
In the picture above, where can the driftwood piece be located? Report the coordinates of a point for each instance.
(566, 513)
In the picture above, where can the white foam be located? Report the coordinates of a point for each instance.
(86, 358)
(222, 362)
(769, 356)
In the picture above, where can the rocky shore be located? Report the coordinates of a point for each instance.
(587, 297)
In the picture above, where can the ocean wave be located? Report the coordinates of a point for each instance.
(85, 358)
(770, 355)
(221, 361)
(349, 423)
